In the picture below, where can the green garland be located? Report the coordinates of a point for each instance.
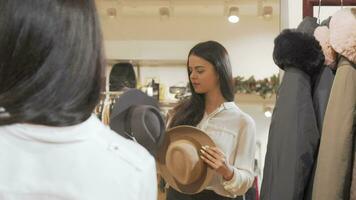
(265, 88)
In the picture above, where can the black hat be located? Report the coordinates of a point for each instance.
(137, 116)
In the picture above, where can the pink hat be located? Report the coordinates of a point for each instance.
(322, 34)
(343, 33)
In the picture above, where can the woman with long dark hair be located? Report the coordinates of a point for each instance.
(51, 146)
(212, 109)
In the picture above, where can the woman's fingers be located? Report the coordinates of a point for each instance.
(212, 157)
(209, 162)
(212, 152)
(208, 156)
(218, 151)
(215, 158)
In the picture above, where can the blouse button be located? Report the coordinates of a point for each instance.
(114, 147)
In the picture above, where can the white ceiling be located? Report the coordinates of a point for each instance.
(178, 8)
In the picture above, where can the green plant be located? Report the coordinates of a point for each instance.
(265, 87)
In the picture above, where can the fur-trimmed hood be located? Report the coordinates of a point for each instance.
(298, 50)
(343, 33)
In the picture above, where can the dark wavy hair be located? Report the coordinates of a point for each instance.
(191, 111)
(51, 63)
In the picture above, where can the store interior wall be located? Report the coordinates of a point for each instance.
(249, 43)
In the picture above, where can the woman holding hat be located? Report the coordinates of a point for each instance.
(211, 109)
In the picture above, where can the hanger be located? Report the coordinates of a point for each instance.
(319, 11)
(342, 4)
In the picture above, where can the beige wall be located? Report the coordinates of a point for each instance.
(249, 43)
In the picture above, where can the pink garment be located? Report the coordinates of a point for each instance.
(343, 33)
(322, 34)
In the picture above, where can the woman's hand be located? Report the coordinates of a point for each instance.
(216, 159)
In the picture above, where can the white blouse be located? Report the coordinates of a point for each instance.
(86, 161)
(234, 132)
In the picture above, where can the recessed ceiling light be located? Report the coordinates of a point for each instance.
(233, 15)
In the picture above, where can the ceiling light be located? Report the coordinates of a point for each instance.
(112, 12)
(267, 111)
(233, 16)
(267, 12)
(164, 13)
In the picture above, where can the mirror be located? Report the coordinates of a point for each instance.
(156, 36)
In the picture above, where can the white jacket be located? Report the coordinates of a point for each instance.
(87, 161)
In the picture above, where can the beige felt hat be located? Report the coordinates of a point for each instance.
(179, 160)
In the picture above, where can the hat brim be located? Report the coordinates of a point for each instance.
(130, 98)
(117, 124)
(140, 130)
(196, 136)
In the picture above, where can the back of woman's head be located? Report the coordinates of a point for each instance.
(51, 63)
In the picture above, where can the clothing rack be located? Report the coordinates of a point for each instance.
(112, 92)
(309, 4)
(106, 104)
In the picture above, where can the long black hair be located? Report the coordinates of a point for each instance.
(51, 63)
(191, 111)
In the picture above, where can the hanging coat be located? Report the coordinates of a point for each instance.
(308, 25)
(334, 166)
(321, 93)
(333, 172)
(353, 183)
(293, 135)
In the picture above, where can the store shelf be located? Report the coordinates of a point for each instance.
(151, 63)
(168, 103)
(241, 98)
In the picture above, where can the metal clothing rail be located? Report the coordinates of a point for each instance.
(309, 4)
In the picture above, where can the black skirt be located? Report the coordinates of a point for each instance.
(172, 194)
